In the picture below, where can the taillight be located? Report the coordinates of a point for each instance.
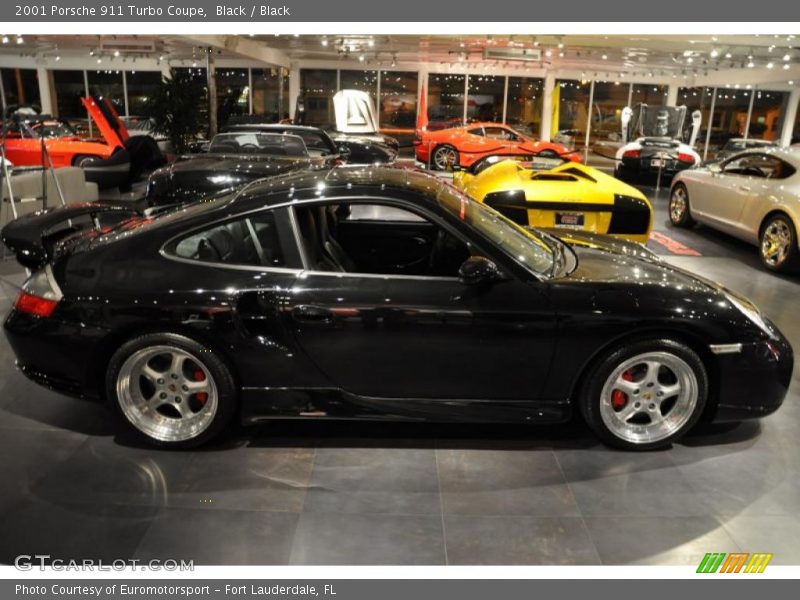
(39, 295)
(632, 154)
(683, 157)
(34, 305)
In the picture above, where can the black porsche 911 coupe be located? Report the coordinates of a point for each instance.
(379, 293)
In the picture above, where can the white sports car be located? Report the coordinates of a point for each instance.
(753, 195)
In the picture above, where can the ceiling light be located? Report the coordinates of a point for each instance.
(371, 43)
(324, 41)
(20, 39)
(361, 58)
(786, 67)
(561, 45)
(786, 57)
(770, 65)
(728, 55)
(561, 54)
(99, 60)
(91, 52)
(751, 64)
(5, 39)
(604, 57)
(58, 57)
(714, 53)
(116, 52)
(549, 53)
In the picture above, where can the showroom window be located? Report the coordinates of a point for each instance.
(141, 85)
(702, 99)
(524, 105)
(70, 87)
(398, 105)
(729, 118)
(608, 101)
(366, 81)
(642, 93)
(271, 92)
(317, 87)
(766, 120)
(445, 100)
(486, 98)
(570, 110)
(233, 94)
(20, 86)
(252, 241)
(108, 84)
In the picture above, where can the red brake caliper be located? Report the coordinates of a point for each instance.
(619, 398)
(202, 397)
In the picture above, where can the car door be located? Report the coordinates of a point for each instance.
(729, 191)
(393, 335)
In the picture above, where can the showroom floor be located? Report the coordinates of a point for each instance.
(75, 484)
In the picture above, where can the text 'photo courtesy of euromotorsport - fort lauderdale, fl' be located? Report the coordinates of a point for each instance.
(308, 300)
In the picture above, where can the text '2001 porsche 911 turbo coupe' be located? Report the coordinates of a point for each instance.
(379, 293)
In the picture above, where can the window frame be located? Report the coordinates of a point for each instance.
(284, 221)
(386, 201)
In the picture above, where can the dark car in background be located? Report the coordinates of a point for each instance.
(236, 158)
(379, 293)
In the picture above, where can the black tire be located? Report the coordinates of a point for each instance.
(591, 393)
(83, 160)
(623, 173)
(788, 261)
(221, 379)
(680, 216)
(446, 148)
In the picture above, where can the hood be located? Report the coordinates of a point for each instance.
(355, 112)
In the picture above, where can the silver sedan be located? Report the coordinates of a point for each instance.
(753, 195)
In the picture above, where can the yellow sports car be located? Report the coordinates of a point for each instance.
(550, 192)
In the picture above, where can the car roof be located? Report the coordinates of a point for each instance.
(279, 189)
(278, 126)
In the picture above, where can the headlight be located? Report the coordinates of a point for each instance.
(750, 310)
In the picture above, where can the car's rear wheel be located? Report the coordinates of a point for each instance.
(645, 395)
(444, 158)
(778, 245)
(679, 212)
(173, 391)
(84, 160)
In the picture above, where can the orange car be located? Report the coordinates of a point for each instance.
(459, 147)
(107, 163)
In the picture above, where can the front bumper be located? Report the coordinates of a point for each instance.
(753, 383)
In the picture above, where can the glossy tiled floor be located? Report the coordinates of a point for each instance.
(74, 484)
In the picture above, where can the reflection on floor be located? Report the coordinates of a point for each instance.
(74, 484)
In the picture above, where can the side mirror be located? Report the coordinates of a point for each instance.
(344, 151)
(714, 168)
(477, 270)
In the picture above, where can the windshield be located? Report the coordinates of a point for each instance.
(265, 144)
(52, 129)
(658, 121)
(523, 245)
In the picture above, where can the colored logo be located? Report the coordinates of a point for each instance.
(736, 562)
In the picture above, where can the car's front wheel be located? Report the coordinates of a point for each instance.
(645, 395)
(173, 391)
(84, 160)
(679, 212)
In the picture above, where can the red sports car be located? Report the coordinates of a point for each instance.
(459, 147)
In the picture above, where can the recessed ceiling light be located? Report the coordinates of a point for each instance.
(714, 53)
(770, 65)
(604, 57)
(116, 52)
(20, 39)
(751, 64)
(5, 39)
(786, 57)
(728, 55)
(785, 67)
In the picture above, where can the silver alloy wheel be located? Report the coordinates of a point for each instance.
(649, 397)
(167, 393)
(776, 242)
(444, 157)
(677, 204)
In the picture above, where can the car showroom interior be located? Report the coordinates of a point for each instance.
(400, 299)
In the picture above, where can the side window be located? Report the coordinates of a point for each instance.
(377, 238)
(750, 165)
(498, 133)
(476, 131)
(253, 240)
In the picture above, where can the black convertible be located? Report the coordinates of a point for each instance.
(378, 293)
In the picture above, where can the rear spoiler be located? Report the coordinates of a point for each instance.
(33, 237)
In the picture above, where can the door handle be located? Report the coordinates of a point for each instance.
(312, 314)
